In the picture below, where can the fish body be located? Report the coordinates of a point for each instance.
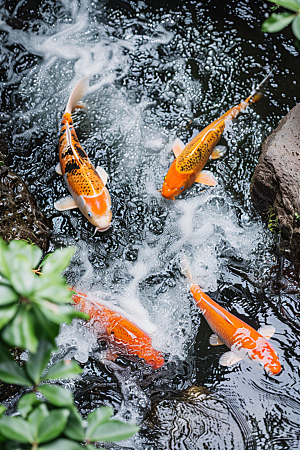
(186, 169)
(85, 183)
(239, 337)
(123, 334)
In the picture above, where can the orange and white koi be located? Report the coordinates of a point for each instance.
(242, 340)
(124, 336)
(189, 161)
(85, 183)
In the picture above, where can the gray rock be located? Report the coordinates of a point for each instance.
(275, 187)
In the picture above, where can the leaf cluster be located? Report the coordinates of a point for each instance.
(276, 22)
(32, 306)
(57, 425)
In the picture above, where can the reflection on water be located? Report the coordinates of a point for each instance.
(158, 73)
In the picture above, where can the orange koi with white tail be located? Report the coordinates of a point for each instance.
(126, 337)
(186, 169)
(242, 340)
(85, 183)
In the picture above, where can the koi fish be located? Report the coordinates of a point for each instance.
(189, 161)
(85, 183)
(242, 340)
(123, 334)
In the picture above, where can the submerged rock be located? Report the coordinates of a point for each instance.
(275, 188)
(19, 216)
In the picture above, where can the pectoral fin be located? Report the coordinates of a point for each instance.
(206, 177)
(178, 147)
(58, 169)
(218, 151)
(102, 174)
(215, 340)
(267, 331)
(65, 203)
(229, 358)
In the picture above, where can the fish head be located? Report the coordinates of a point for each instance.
(175, 183)
(97, 210)
(273, 367)
(265, 354)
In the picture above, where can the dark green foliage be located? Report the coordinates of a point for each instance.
(32, 306)
(276, 22)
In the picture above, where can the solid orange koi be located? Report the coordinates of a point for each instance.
(242, 340)
(123, 334)
(189, 161)
(85, 183)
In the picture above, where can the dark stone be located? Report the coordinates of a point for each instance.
(19, 216)
(275, 187)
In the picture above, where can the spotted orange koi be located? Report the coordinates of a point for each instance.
(186, 169)
(243, 341)
(125, 337)
(85, 183)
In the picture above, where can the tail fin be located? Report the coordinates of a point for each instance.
(78, 92)
(185, 267)
(258, 92)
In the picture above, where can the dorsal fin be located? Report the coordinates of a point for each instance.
(217, 310)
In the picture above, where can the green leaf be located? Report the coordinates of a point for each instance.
(74, 429)
(64, 444)
(2, 409)
(4, 259)
(26, 404)
(277, 22)
(113, 431)
(11, 373)
(96, 418)
(31, 251)
(60, 313)
(37, 416)
(293, 5)
(52, 288)
(6, 314)
(34, 254)
(38, 361)
(16, 429)
(7, 295)
(53, 425)
(296, 27)
(22, 278)
(57, 395)
(43, 327)
(5, 354)
(58, 260)
(20, 331)
(63, 369)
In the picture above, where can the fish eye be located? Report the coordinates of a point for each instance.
(182, 187)
(90, 214)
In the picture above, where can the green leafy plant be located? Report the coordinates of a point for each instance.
(276, 22)
(32, 306)
(57, 425)
(273, 221)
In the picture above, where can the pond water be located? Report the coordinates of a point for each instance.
(158, 71)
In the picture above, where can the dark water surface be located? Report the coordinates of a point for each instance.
(159, 71)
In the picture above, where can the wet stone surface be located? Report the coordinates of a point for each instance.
(275, 188)
(19, 216)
